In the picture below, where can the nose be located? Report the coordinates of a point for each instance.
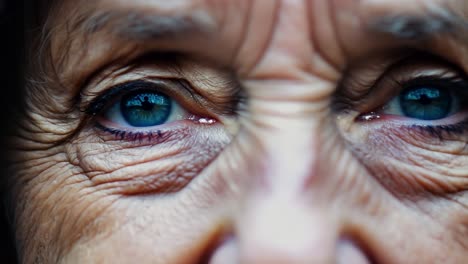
(279, 232)
(278, 221)
(282, 231)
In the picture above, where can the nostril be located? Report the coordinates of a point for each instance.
(350, 252)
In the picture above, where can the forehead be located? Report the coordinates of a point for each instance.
(215, 11)
(222, 6)
(225, 30)
(148, 19)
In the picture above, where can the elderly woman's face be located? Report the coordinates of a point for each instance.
(243, 131)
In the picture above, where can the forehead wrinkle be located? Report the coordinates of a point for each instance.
(435, 21)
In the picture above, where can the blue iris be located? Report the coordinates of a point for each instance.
(426, 103)
(144, 109)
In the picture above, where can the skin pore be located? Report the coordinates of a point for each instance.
(285, 143)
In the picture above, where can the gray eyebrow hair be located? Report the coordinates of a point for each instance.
(142, 26)
(421, 27)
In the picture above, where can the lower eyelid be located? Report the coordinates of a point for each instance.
(397, 120)
(453, 128)
(127, 128)
(177, 146)
(153, 135)
(179, 129)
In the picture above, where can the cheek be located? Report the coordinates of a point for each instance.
(140, 201)
(411, 162)
(145, 166)
(178, 227)
(53, 208)
(92, 194)
(144, 229)
(427, 181)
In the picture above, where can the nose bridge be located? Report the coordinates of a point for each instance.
(289, 213)
(292, 124)
(289, 102)
(291, 158)
(284, 218)
(281, 220)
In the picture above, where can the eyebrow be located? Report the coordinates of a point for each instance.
(141, 26)
(421, 27)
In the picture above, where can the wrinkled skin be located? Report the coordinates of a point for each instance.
(275, 163)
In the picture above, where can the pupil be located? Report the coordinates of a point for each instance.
(426, 103)
(146, 104)
(425, 100)
(144, 109)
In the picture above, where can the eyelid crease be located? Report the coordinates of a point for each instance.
(102, 101)
(456, 83)
(226, 102)
(393, 79)
(442, 77)
(165, 60)
(354, 88)
(222, 94)
(179, 89)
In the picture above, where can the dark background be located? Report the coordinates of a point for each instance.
(11, 63)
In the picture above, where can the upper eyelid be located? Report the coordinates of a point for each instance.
(167, 61)
(398, 81)
(392, 86)
(390, 79)
(179, 89)
(456, 81)
(457, 84)
(101, 101)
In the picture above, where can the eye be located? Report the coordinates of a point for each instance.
(426, 101)
(144, 108)
(413, 91)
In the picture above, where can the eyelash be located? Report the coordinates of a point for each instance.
(442, 131)
(98, 104)
(456, 82)
(151, 136)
